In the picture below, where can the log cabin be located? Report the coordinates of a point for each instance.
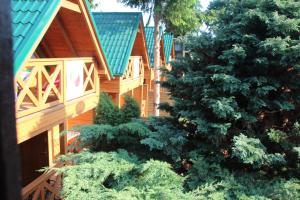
(167, 54)
(58, 61)
(149, 30)
(169, 51)
(124, 44)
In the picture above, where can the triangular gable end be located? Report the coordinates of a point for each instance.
(29, 21)
(58, 25)
(118, 32)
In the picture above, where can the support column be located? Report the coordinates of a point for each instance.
(53, 144)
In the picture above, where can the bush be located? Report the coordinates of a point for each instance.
(107, 112)
(121, 175)
(130, 109)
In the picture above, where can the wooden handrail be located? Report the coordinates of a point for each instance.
(129, 74)
(39, 187)
(41, 83)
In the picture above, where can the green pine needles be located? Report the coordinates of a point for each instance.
(108, 113)
(238, 93)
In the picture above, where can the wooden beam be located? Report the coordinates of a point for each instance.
(66, 35)
(71, 6)
(45, 46)
(9, 153)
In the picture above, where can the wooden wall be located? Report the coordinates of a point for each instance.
(86, 118)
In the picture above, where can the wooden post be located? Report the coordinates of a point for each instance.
(9, 152)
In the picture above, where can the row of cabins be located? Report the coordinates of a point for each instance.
(65, 55)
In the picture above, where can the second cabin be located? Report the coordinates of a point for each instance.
(123, 40)
(167, 54)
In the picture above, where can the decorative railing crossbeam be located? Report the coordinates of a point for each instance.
(42, 83)
(46, 187)
(130, 72)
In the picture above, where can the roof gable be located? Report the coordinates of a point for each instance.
(29, 20)
(168, 44)
(32, 19)
(117, 33)
(149, 31)
(150, 43)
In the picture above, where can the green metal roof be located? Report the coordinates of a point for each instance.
(168, 43)
(117, 33)
(29, 19)
(149, 31)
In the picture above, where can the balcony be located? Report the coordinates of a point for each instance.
(135, 69)
(45, 83)
(134, 75)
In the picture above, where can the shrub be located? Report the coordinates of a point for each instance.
(107, 112)
(130, 109)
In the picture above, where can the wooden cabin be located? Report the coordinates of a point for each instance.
(123, 39)
(58, 61)
(169, 51)
(167, 54)
(149, 30)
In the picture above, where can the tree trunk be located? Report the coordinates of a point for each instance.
(156, 64)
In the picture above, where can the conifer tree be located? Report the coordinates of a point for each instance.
(107, 112)
(238, 92)
(130, 109)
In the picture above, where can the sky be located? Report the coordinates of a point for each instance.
(114, 6)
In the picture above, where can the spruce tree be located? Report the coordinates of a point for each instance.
(107, 112)
(130, 109)
(238, 91)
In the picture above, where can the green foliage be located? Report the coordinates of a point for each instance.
(180, 17)
(252, 151)
(242, 76)
(277, 135)
(108, 113)
(151, 138)
(130, 109)
(120, 175)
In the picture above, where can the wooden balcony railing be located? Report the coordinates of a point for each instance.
(135, 69)
(43, 83)
(45, 187)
